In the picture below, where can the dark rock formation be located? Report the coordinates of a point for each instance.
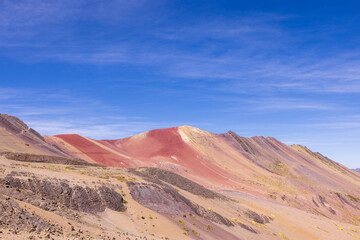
(256, 217)
(325, 204)
(154, 197)
(245, 143)
(14, 217)
(57, 195)
(25, 157)
(13, 123)
(165, 199)
(156, 174)
(35, 133)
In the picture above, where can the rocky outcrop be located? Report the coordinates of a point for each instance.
(156, 174)
(25, 157)
(256, 217)
(16, 126)
(59, 195)
(156, 198)
(35, 133)
(14, 217)
(244, 143)
(13, 123)
(165, 199)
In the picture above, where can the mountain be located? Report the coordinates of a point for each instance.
(18, 141)
(357, 170)
(16, 136)
(174, 183)
(260, 166)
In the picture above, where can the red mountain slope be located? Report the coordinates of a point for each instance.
(292, 175)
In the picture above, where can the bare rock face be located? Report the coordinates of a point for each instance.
(155, 198)
(111, 199)
(157, 175)
(244, 143)
(26, 157)
(165, 199)
(55, 195)
(259, 218)
(14, 217)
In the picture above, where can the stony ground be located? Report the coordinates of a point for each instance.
(54, 201)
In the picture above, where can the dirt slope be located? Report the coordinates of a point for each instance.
(42, 200)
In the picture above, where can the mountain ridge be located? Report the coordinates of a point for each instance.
(228, 161)
(238, 187)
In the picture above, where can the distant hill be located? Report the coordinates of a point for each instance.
(19, 142)
(357, 170)
(262, 166)
(173, 183)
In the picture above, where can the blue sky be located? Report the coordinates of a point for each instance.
(111, 69)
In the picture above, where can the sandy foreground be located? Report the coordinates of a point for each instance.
(141, 222)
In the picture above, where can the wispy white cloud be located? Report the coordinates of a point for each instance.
(262, 105)
(16, 13)
(342, 122)
(243, 51)
(289, 104)
(29, 13)
(13, 93)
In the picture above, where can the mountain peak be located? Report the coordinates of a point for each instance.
(160, 166)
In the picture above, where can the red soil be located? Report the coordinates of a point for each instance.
(95, 152)
(165, 144)
(149, 149)
(217, 160)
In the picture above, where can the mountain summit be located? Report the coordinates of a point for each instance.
(199, 184)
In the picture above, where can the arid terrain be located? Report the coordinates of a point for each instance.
(175, 183)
